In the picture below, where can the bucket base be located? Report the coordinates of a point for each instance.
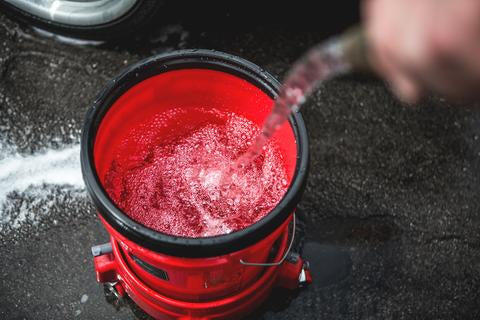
(112, 270)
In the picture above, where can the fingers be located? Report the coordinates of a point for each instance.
(427, 44)
(406, 88)
(385, 35)
(404, 85)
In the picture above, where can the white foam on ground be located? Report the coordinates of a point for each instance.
(31, 174)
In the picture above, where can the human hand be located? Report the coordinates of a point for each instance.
(419, 45)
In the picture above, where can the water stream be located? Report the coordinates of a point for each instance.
(319, 64)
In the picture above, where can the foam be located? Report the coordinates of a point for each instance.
(31, 174)
(186, 186)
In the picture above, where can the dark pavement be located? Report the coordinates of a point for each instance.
(392, 206)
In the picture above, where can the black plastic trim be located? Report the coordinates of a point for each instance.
(159, 273)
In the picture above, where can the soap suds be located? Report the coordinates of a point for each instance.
(32, 185)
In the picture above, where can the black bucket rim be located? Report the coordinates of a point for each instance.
(176, 245)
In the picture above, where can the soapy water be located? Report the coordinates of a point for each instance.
(174, 186)
(318, 65)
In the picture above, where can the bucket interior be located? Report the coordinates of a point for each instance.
(185, 89)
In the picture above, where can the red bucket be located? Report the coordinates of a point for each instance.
(172, 277)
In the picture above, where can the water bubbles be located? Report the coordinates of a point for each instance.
(196, 189)
(212, 179)
(214, 196)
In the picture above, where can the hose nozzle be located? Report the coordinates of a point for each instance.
(355, 49)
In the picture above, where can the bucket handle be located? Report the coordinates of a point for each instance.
(273, 264)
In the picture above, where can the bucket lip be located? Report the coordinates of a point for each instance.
(176, 245)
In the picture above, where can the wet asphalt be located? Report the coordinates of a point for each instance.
(392, 207)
